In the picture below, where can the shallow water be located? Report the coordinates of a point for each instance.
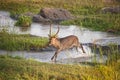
(64, 57)
(68, 56)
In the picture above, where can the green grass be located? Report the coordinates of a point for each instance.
(21, 69)
(87, 11)
(15, 42)
(24, 21)
(106, 22)
(77, 7)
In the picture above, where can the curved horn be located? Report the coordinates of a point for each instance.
(57, 31)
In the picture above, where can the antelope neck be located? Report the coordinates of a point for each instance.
(57, 43)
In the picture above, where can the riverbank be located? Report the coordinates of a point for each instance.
(19, 68)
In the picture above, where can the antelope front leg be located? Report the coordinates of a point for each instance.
(55, 55)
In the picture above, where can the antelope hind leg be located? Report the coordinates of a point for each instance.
(82, 48)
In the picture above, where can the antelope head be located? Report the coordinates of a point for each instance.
(53, 39)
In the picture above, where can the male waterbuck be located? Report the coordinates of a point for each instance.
(63, 43)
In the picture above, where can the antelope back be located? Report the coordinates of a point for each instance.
(69, 41)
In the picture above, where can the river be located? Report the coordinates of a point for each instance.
(67, 56)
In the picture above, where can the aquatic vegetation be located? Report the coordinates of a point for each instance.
(24, 21)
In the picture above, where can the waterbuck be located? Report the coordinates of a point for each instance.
(63, 43)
